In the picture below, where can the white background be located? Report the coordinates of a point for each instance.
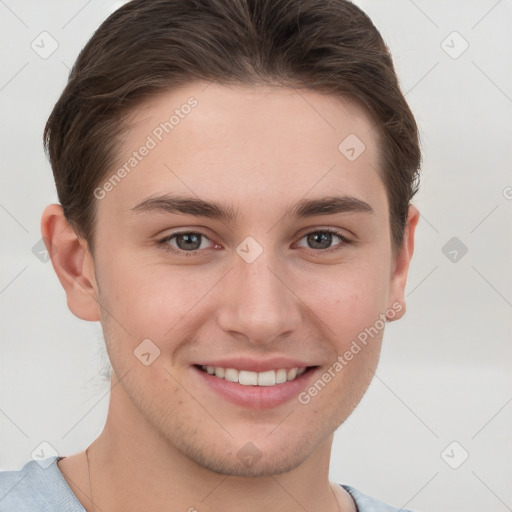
(445, 369)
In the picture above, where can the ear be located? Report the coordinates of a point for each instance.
(72, 263)
(400, 266)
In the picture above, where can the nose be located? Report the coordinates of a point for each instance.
(258, 302)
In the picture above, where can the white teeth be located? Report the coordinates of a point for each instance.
(267, 378)
(247, 378)
(291, 374)
(231, 375)
(280, 376)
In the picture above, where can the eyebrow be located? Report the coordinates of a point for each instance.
(328, 205)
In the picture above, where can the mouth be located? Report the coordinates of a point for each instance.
(256, 390)
(248, 378)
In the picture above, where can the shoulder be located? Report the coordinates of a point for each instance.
(38, 486)
(368, 504)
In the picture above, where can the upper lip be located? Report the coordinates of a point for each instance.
(256, 365)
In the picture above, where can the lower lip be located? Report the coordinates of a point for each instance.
(256, 397)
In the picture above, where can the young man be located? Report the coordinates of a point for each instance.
(235, 181)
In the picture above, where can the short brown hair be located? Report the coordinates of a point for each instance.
(149, 46)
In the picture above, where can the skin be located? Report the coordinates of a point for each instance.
(168, 437)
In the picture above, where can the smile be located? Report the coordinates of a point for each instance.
(248, 378)
(255, 383)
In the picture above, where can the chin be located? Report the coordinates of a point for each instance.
(264, 457)
(260, 466)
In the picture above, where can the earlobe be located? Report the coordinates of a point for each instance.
(72, 263)
(400, 269)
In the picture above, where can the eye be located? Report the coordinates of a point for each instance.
(321, 240)
(188, 243)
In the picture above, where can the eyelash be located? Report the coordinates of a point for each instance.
(166, 247)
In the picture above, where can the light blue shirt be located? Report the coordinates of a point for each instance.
(41, 487)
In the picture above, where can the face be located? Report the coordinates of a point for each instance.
(287, 268)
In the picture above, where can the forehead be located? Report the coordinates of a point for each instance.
(248, 143)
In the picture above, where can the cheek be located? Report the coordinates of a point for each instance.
(359, 312)
(351, 300)
(152, 301)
